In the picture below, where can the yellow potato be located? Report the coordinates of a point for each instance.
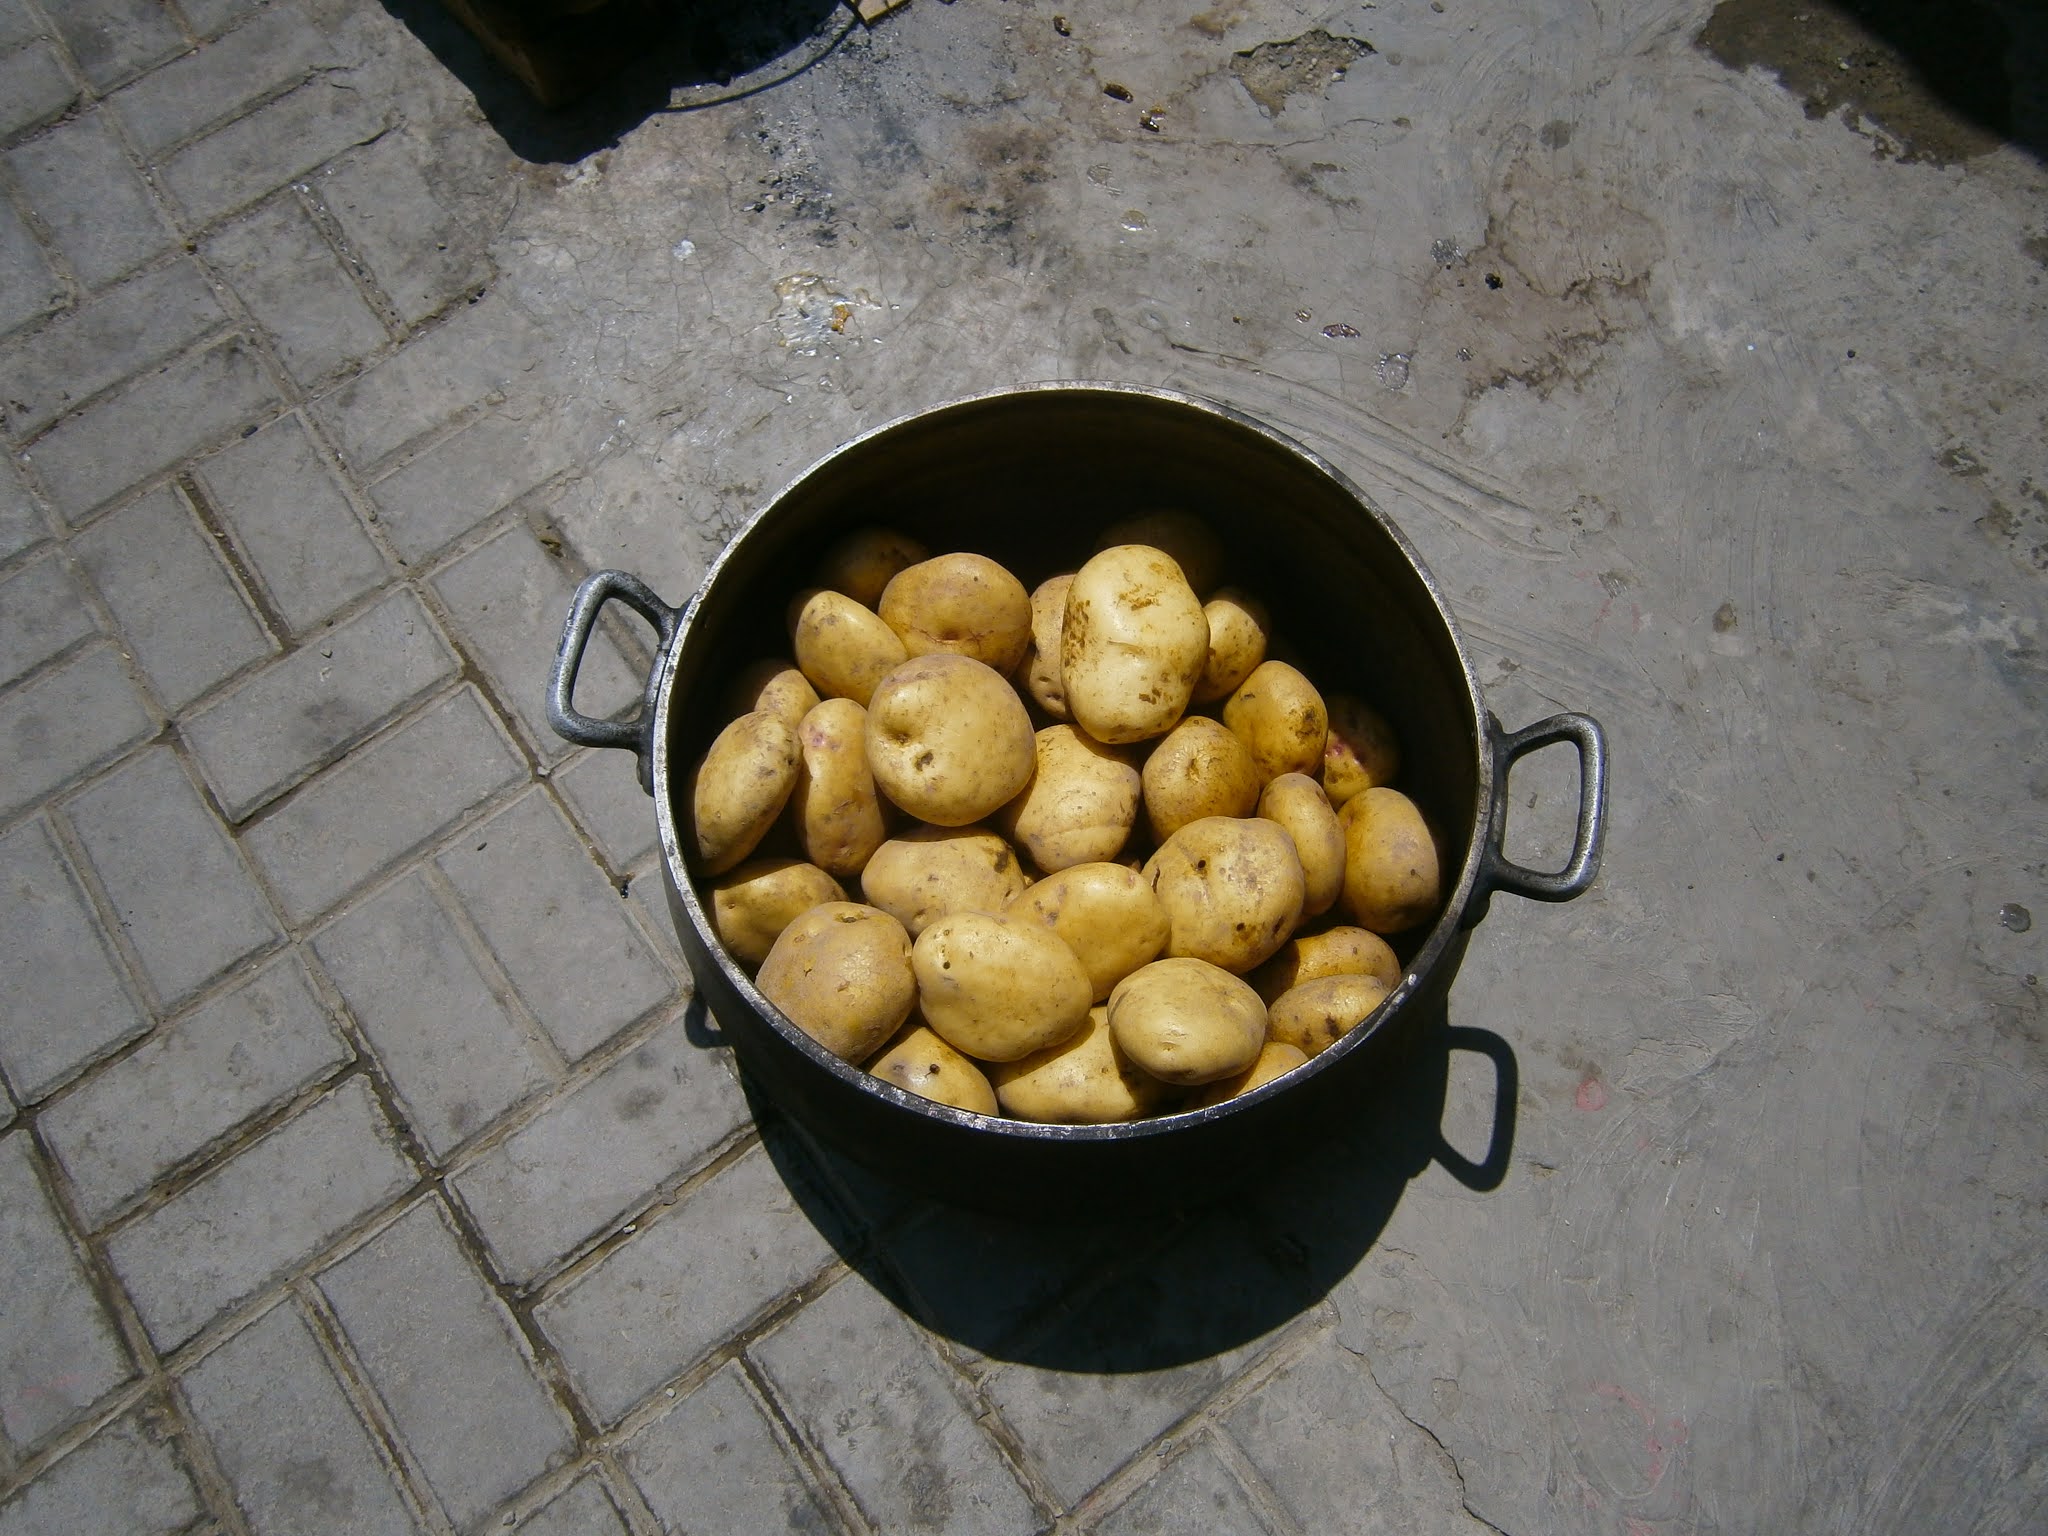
(948, 739)
(1199, 769)
(998, 988)
(927, 872)
(775, 687)
(1333, 952)
(861, 564)
(843, 648)
(1106, 913)
(1239, 629)
(1297, 802)
(842, 974)
(1132, 644)
(919, 1061)
(1361, 751)
(1184, 1021)
(1392, 878)
(1232, 890)
(1317, 1014)
(961, 605)
(1080, 805)
(753, 904)
(837, 808)
(1281, 719)
(1275, 1060)
(1083, 1081)
(738, 789)
(1039, 672)
(1186, 539)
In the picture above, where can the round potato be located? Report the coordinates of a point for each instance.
(838, 811)
(927, 872)
(948, 739)
(961, 605)
(739, 787)
(1317, 1014)
(843, 648)
(1132, 643)
(1239, 629)
(1361, 751)
(1297, 802)
(1199, 769)
(998, 988)
(1232, 890)
(919, 1061)
(1080, 805)
(1392, 878)
(1191, 543)
(842, 974)
(861, 564)
(1106, 913)
(774, 687)
(1083, 1081)
(1333, 952)
(1039, 672)
(1186, 1022)
(753, 904)
(1275, 1060)
(1279, 716)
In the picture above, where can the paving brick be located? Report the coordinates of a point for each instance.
(281, 267)
(601, 1150)
(127, 437)
(34, 87)
(508, 600)
(650, 898)
(453, 1050)
(460, 481)
(74, 717)
(264, 1210)
(20, 524)
(585, 1510)
(211, 16)
(604, 793)
(419, 251)
(381, 802)
(292, 523)
(447, 1361)
(306, 708)
(17, 23)
(716, 1465)
(1195, 1492)
(62, 1003)
(299, 1459)
(277, 49)
(186, 622)
(195, 1081)
(683, 1284)
(259, 153)
(113, 39)
(126, 1479)
(172, 877)
(42, 612)
(120, 332)
(28, 287)
(90, 197)
(863, 1386)
(556, 924)
(58, 1349)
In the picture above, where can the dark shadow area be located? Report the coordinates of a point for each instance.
(1147, 1290)
(613, 68)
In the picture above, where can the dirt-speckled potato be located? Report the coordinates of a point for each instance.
(775, 687)
(1106, 913)
(1344, 951)
(738, 789)
(1361, 751)
(861, 564)
(926, 872)
(960, 605)
(1185, 1021)
(842, 974)
(920, 1062)
(1281, 719)
(1317, 1014)
(1232, 890)
(1083, 1081)
(1038, 674)
(1198, 769)
(998, 988)
(837, 808)
(1275, 1060)
(1132, 644)
(1080, 805)
(948, 739)
(1239, 629)
(1392, 879)
(843, 648)
(1189, 541)
(751, 905)
(1297, 802)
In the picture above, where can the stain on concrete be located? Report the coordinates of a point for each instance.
(1306, 65)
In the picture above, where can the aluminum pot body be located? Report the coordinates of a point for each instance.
(1030, 477)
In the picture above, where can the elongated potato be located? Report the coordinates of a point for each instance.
(1392, 880)
(1278, 714)
(1232, 890)
(775, 687)
(1038, 674)
(751, 905)
(1198, 769)
(1087, 1080)
(948, 739)
(926, 872)
(1361, 751)
(843, 648)
(1317, 1014)
(1275, 1060)
(738, 789)
(861, 564)
(1132, 644)
(959, 604)
(1080, 805)
(922, 1063)
(998, 988)
(1297, 802)
(1106, 913)
(1344, 951)
(1185, 1021)
(1239, 630)
(1191, 543)
(842, 974)
(837, 808)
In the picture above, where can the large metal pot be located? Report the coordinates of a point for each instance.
(1028, 476)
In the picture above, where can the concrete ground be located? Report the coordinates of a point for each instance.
(365, 1167)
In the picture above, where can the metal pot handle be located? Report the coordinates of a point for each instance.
(636, 734)
(1497, 872)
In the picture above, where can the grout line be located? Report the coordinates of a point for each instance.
(490, 968)
(240, 569)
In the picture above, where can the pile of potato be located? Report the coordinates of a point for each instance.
(1088, 825)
